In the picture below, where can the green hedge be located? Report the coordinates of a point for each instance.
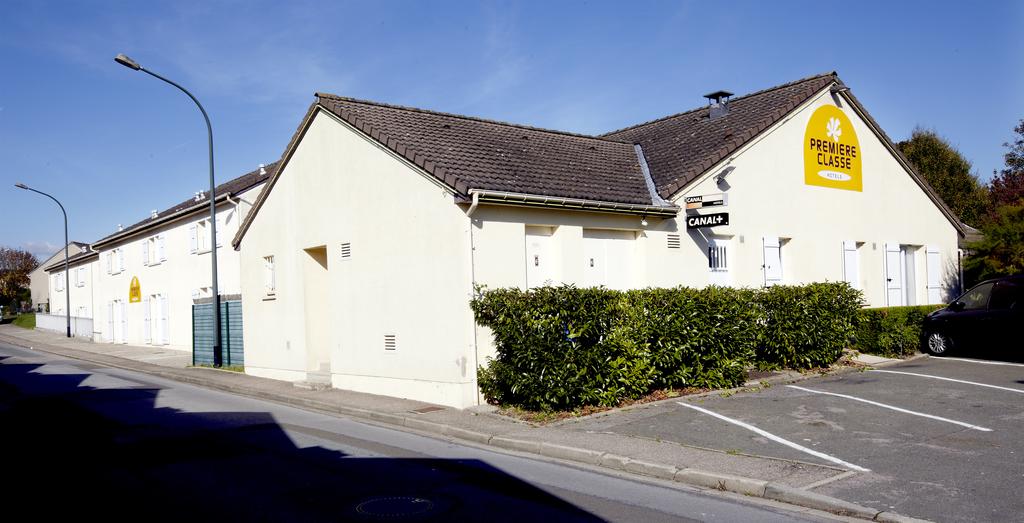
(564, 347)
(891, 331)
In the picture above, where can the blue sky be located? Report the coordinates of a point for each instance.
(113, 144)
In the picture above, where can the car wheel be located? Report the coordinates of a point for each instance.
(938, 344)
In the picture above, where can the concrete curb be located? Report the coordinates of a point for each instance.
(688, 476)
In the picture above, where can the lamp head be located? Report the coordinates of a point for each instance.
(21, 186)
(127, 62)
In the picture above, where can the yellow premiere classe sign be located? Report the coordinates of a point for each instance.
(831, 151)
(134, 291)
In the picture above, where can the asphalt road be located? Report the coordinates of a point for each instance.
(82, 441)
(933, 448)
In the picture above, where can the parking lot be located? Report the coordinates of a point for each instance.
(935, 438)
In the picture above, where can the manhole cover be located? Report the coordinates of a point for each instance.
(395, 507)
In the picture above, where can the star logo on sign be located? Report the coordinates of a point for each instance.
(833, 129)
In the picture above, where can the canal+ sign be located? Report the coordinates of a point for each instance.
(699, 221)
(832, 154)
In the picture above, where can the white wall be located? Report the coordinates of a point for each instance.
(80, 327)
(81, 291)
(408, 274)
(179, 277)
(39, 279)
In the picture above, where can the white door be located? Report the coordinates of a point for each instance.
(851, 264)
(933, 262)
(147, 323)
(893, 275)
(540, 264)
(124, 321)
(909, 279)
(772, 261)
(164, 330)
(110, 322)
(608, 258)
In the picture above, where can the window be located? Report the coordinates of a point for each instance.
(269, 279)
(1006, 296)
(153, 251)
(977, 298)
(58, 283)
(80, 277)
(115, 261)
(199, 236)
(718, 255)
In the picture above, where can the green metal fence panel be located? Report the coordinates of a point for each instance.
(230, 328)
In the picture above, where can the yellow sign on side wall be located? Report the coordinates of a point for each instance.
(832, 153)
(135, 291)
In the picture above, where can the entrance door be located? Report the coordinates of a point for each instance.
(316, 289)
(893, 275)
(608, 258)
(540, 264)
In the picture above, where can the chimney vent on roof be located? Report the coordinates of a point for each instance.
(719, 102)
(152, 214)
(120, 227)
(196, 197)
(263, 170)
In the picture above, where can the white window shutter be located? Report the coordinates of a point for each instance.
(164, 333)
(145, 252)
(220, 227)
(120, 260)
(147, 330)
(933, 261)
(194, 235)
(161, 248)
(124, 323)
(109, 268)
(851, 264)
(772, 261)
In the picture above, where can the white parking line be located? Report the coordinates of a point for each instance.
(1019, 391)
(776, 439)
(986, 362)
(891, 407)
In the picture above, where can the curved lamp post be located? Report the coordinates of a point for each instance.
(217, 355)
(67, 272)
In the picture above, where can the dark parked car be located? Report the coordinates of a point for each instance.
(990, 313)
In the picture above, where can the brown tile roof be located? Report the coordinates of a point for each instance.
(236, 186)
(680, 147)
(472, 153)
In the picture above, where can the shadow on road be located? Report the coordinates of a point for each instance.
(65, 457)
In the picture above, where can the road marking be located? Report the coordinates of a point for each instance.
(986, 362)
(1018, 391)
(891, 407)
(777, 439)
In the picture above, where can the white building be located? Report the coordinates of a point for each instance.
(361, 254)
(82, 284)
(40, 280)
(148, 274)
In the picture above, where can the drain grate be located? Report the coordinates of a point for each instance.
(395, 507)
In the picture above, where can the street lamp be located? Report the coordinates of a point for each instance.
(67, 273)
(217, 355)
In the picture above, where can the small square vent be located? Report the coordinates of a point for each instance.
(389, 342)
(673, 241)
(346, 250)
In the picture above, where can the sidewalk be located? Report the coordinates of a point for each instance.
(770, 478)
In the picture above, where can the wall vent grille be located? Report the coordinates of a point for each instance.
(673, 241)
(346, 250)
(389, 342)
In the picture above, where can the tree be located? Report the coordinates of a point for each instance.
(15, 266)
(1007, 187)
(1001, 249)
(948, 172)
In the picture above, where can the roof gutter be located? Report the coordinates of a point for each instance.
(71, 263)
(169, 218)
(532, 200)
